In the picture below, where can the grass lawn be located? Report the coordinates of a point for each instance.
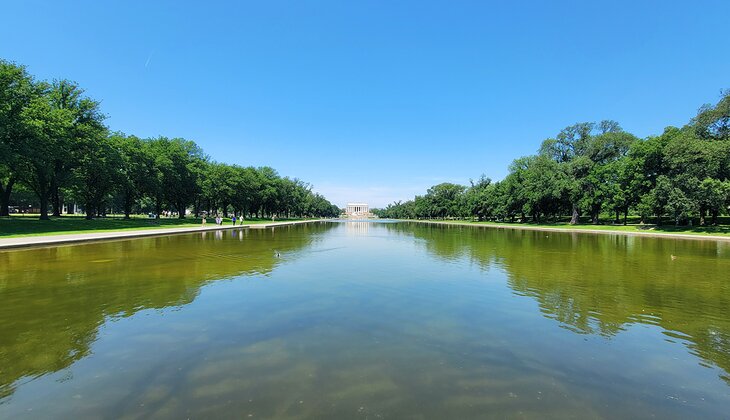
(721, 230)
(29, 225)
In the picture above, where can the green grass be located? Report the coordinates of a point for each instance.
(721, 230)
(19, 225)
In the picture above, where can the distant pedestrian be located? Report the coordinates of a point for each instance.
(204, 221)
(234, 220)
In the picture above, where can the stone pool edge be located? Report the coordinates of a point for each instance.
(569, 230)
(76, 238)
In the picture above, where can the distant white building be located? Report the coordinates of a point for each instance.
(357, 210)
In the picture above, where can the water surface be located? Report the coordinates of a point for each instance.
(367, 320)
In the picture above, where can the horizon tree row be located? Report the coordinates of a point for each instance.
(595, 169)
(54, 143)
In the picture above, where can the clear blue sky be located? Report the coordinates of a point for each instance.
(377, 100)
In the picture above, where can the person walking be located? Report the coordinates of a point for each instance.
(204, 221)
(233, 218)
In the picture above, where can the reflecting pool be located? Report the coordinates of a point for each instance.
(367, 320)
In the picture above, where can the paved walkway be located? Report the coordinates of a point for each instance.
(52, 240)
(577, 230)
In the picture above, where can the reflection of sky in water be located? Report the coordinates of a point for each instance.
(369, 320)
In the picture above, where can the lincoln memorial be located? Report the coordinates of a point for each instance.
(357, 210)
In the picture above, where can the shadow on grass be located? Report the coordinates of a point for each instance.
(18, 225)
(609, 225)
(710, 230)
(32, 226)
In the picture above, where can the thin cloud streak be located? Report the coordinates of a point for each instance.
(149, 57)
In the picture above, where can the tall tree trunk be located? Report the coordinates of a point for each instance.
(617, 217)
(43, 197)
(127, 206)
(574, 217)
(89, 211)
(55, 195)
(41, 187)
(714, 217)
(703, 214)
(158, 208)
(181, 210)
(58, 210)
(5, 197)
(55, 198)
(626, 215)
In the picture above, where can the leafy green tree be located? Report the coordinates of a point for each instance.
(178, 164)
(219, 186)
(544, 183)
(17, 90)
(134, 169)
(84, 123)
(713, 122)
(577, 149)
(700, 151)
(601, 184)
(657, 200)
(513, 192)
(45, 130)
(96, 173)
(679, 206)
(445, 200)
(478, 199)
(248, 190)
(569, 149)
(714, 195)
(628, 184)
(598, 188)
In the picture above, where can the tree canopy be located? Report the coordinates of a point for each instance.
(53, 142)
(593, 169)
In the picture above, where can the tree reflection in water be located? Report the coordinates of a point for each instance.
(601, 284)
(53, 300)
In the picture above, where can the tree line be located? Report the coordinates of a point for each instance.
(54, 143)
(598, 169)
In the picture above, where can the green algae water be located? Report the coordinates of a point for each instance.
(367, 320)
